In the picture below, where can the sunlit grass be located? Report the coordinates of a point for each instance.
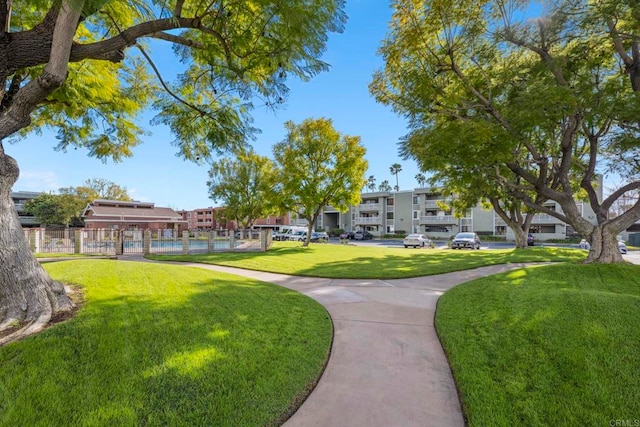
(550, 345)
(166, 345)
(66, 255)
(369, 262)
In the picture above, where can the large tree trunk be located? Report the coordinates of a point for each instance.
(521, 237)
(604, 246)
(28, 296)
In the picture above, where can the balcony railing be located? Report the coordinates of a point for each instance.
(545, 219)
(368, 220)
(438, 219)
(369, 207)
(429, 204)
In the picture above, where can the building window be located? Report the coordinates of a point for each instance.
(389, 215)
(416, 200)
(416, 214)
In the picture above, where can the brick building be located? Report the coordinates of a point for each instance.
(122, 215)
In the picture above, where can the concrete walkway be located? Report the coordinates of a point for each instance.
(386, 367)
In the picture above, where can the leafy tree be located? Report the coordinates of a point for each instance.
(98, 188)
(532, 107)
(52, 209)
(384, 186)
(84, 69)
(395, 169)
(245, 187)
(318, 166)
(371, 183)
(92, 189)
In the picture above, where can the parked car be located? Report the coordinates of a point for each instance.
(622, 247)
(465, 240)
(319, 237)
(347, 235)
(416, 240)
(530, 239)
(298, 236)
(362, 235)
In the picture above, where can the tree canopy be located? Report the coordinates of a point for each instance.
(245, 186)
(85, 68)
(496, 98)
(318, 166)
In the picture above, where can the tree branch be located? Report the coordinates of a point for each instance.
(176, 39)
(53, 75)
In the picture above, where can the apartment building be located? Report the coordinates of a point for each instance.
(19, 199)
(426, 210)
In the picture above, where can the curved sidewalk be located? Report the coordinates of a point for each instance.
(386, 367)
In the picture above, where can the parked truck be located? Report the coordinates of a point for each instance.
(287, 231)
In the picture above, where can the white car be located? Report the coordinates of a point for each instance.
(298, 236)
(416, 240)
(622, 247)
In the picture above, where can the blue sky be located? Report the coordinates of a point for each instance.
(156, 175)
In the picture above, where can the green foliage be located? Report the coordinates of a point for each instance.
(318, 166)
(245, 186)
(53, 209)
(510, 109)
(230, 56)
(98, 188)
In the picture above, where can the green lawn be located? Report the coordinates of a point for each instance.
(166, 345)
(370, 262)
(547, 345)
(66, 255)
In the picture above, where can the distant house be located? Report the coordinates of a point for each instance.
(121, 215)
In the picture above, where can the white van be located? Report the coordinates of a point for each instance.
(287, 231)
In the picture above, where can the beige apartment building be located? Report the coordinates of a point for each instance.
(426, 210)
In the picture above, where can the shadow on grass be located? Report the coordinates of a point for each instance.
(383, 263)
(202, 349)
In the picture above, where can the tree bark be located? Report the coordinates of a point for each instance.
(604, 246)
(521, 237)
(28, 296)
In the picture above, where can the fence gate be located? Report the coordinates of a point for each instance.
(132, 241)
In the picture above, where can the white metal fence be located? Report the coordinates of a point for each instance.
(168, 241)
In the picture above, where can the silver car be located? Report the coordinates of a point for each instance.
(465, 240)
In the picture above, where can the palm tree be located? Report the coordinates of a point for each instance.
(384, 186)
(421, 179)
(395, 169)
(371, 183)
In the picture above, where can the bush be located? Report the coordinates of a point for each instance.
(336, 232)
(492, 238)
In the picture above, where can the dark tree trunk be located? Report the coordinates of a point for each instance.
(28, 296)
